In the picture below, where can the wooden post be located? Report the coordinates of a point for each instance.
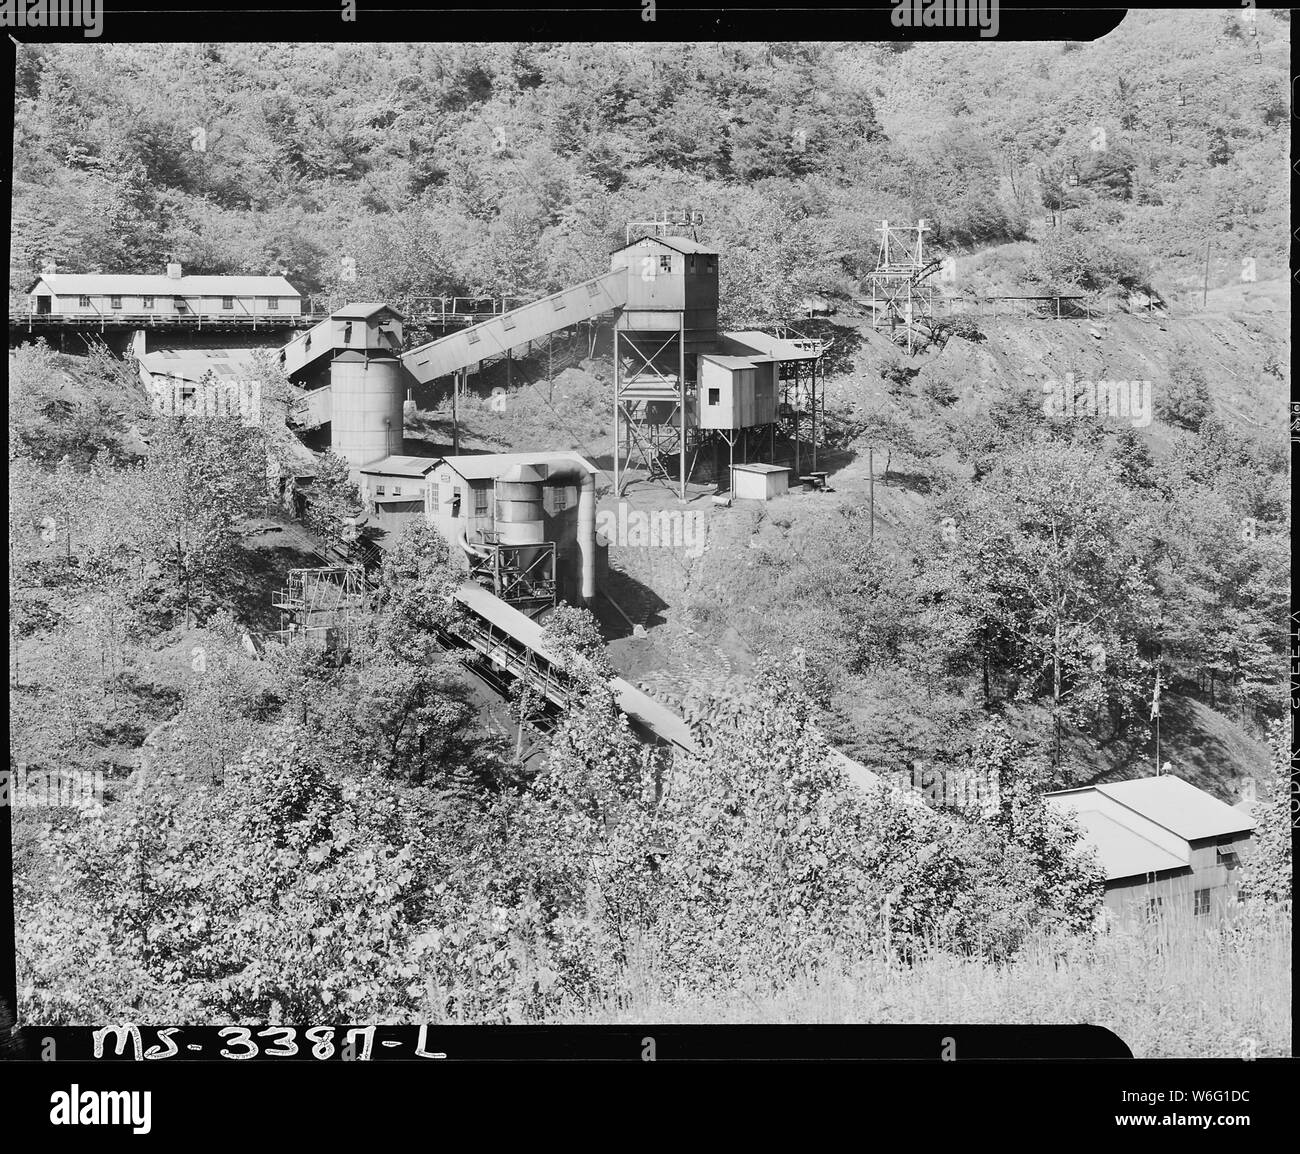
(796, 419)
(814, 415)
(871, 487)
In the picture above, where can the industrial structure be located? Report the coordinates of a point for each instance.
(1163, 844)
(524, 523)
(682, 388)
(322, 604)
(138, 298)
(899, 289)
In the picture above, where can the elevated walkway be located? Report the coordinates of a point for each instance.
(499, 334)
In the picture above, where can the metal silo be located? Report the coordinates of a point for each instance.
(366, 422)
(519, 512)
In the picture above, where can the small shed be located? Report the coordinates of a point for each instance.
(396, 484)
(759, 482)
(736, 392)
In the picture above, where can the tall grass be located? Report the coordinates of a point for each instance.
(1179, 987)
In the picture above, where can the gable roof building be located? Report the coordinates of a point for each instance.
(1160, 841)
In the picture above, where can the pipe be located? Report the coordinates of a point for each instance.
(472, 550)
(565, 467)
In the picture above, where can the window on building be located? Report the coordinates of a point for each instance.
(1154, 908)
(507, 322)
(146, 302)
(690, 263)
(347, 332)
(379, 490)
(272, 303)
(115, 302)
(715, 396)
(472, 337)
(560, 499)
(433, 496)
(83, 302)
(227, 302)
(558, 303)
(1202, 902)
(397, 490)
(711, 265)
(481, 501)
(179, 303)
(665, 264)
(592, 290)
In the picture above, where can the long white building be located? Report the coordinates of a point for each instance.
(124, 296)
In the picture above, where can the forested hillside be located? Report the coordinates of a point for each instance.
(988, 588)
(512, 169)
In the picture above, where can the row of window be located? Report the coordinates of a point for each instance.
(182, 305)
(559, 497)
(1201, 904)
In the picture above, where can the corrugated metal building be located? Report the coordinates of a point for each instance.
(1163, 844)
(668, 276)
(517, 501)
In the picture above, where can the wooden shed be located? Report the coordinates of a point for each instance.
(736, 392)
(759, 482)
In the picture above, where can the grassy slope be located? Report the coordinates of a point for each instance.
(1176, 989)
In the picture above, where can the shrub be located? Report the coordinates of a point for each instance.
(1185, 400)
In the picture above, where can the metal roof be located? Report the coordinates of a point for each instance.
(1123, 852)
(490, 466)
(657, 718)
(365, 311)
(778, 348)
(401, 465)
(757, 467)
(498, 334)
(143, 284)
(683, 244)
(730, 362)
(1179, 806)
(194, 364)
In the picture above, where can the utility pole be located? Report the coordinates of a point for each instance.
(455, 425)
(871, 488)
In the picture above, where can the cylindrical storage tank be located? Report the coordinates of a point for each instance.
(366, 418)
(576, 470)
(519, 511)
